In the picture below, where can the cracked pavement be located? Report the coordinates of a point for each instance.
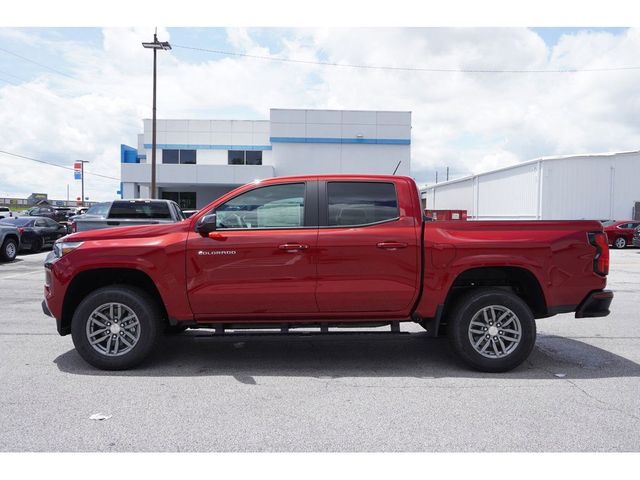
(579, 390)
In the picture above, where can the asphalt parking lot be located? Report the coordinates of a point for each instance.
(579, 391)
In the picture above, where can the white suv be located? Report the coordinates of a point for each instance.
(5, 212)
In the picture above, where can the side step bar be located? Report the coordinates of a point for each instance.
(288, 328)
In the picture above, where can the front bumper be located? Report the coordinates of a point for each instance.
(636, 241)
(596, 304)
(45, 309)
(62, 329)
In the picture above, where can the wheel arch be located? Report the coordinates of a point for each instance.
(11, 236)
(88, 281)
(519, 280)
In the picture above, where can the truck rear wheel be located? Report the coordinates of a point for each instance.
(116, 327)
(492, 330)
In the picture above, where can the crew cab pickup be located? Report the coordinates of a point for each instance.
(325, 251)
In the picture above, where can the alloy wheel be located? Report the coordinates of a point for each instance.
(495, 331)
(113, 329)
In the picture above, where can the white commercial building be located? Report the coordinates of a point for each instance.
(198, 160)
(598, 186)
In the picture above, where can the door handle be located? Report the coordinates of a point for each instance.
(293, 247)
(391, 245)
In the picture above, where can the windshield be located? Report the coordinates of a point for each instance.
(98, 209)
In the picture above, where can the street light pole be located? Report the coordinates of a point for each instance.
(155, 46)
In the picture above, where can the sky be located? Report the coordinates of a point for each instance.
(78, 93)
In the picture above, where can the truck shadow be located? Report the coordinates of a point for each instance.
(247, 358)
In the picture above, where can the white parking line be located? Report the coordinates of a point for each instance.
(20, 274)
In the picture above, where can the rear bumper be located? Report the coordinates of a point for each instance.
(596, 304)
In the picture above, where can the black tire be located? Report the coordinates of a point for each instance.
(9, 250)
(36, 245)
(139, 302)
(472, 303)
(620, 242)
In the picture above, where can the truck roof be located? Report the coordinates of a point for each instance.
(339, 176)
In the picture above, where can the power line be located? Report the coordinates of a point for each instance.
(60, 72)
(12, 75)
(405, 69)
(56, 165)
(8, 81)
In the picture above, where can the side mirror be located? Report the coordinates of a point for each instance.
(206, 224)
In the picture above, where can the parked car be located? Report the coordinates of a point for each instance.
(123, 213)
(77, 211)
(636, 237)
(9, 242)
(5, 212)
(325, 251)
(620, 233)
(36, 232)
(46, 211)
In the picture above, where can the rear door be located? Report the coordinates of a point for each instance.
(369, 248)
(52, 230)
(260, 260)
(40, 227)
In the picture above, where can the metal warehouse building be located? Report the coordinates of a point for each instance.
(598, 186)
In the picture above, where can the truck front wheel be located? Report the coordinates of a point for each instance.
(491, 330)
(115, 327)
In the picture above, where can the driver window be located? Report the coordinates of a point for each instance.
(274, 206)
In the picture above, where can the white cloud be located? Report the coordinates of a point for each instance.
(468, 121)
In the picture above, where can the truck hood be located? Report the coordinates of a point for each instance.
(137, 231)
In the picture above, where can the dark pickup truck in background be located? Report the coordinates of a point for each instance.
(325, 251)
(123, 213)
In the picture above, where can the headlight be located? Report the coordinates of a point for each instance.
(60, 249)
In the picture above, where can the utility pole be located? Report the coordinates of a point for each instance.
(436, 176)
(155, 46)
(82, 162)
(447, 174)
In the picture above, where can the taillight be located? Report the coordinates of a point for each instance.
(73, 227)
(601, 258)
(21, 230)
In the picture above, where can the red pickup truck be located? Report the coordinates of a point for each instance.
(325, 251)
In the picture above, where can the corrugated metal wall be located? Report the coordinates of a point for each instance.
(508, 194)
(586, 187)
(592, 187)
(459, 194)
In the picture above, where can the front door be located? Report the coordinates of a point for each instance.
(259, 262)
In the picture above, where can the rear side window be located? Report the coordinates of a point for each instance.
(361, 203)
(140, 210)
